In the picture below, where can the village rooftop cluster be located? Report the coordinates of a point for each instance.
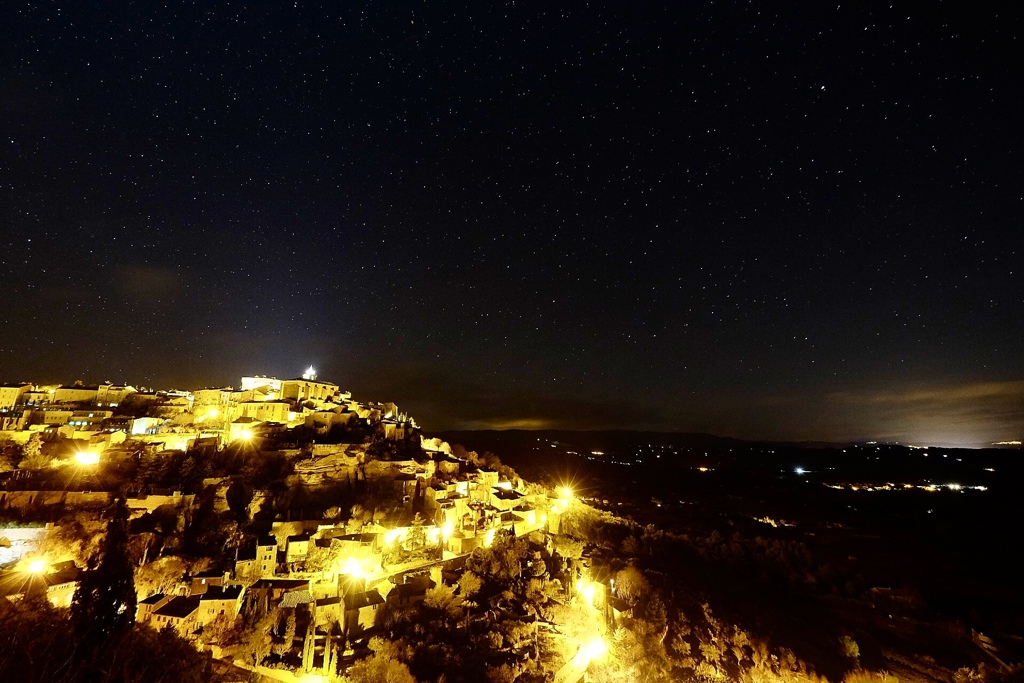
(334, 569)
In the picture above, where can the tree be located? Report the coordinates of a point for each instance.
(103, 606)
(10, 454)
(238, 497)
(443, 598)
(849, 648)
(39, 647)
(383, 666)
(32, 454)
(288, 637)
(630, 584)
(469, 584)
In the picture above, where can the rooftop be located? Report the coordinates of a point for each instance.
(179, 607)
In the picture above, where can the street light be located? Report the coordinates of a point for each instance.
(37, 566)
(595, 649)
(87, 458)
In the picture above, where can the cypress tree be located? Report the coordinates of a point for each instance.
(103, 607)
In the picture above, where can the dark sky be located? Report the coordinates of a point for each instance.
(795, 220)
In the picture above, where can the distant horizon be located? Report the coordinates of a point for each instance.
(986, 413)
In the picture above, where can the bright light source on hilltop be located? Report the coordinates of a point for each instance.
(309, 374)
(37, 566)
(87, 458)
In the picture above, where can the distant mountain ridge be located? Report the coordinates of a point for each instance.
(612, 438)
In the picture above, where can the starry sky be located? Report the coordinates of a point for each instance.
(785, 220)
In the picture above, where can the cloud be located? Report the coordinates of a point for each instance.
(972, 414)
(978, 391)
(964, 414)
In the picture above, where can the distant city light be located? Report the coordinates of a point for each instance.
(800, 470)
(309, 374)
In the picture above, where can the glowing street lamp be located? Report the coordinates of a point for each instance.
(87, 458)
(245, 435)
(353, 568)
(595, 649)
(37, 566)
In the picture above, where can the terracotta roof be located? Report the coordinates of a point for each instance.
(179, 607)
(296, 598)
(222, 593)
(364, 599)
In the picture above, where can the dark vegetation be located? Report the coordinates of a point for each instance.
(96, 640)
(905, 576)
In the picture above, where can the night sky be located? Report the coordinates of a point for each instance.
(797, 220)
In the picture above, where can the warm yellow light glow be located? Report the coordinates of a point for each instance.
(392, 536)
(595, 649)
(565, 492)
(213, 413)
(353, 568)
(312, 678)
(37, 566)
(447, 529)
(588, 592)
(245, 435)
(489, 538)
(87, 458)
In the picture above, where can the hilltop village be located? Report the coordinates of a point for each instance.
(284, 531)
(269, 525)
